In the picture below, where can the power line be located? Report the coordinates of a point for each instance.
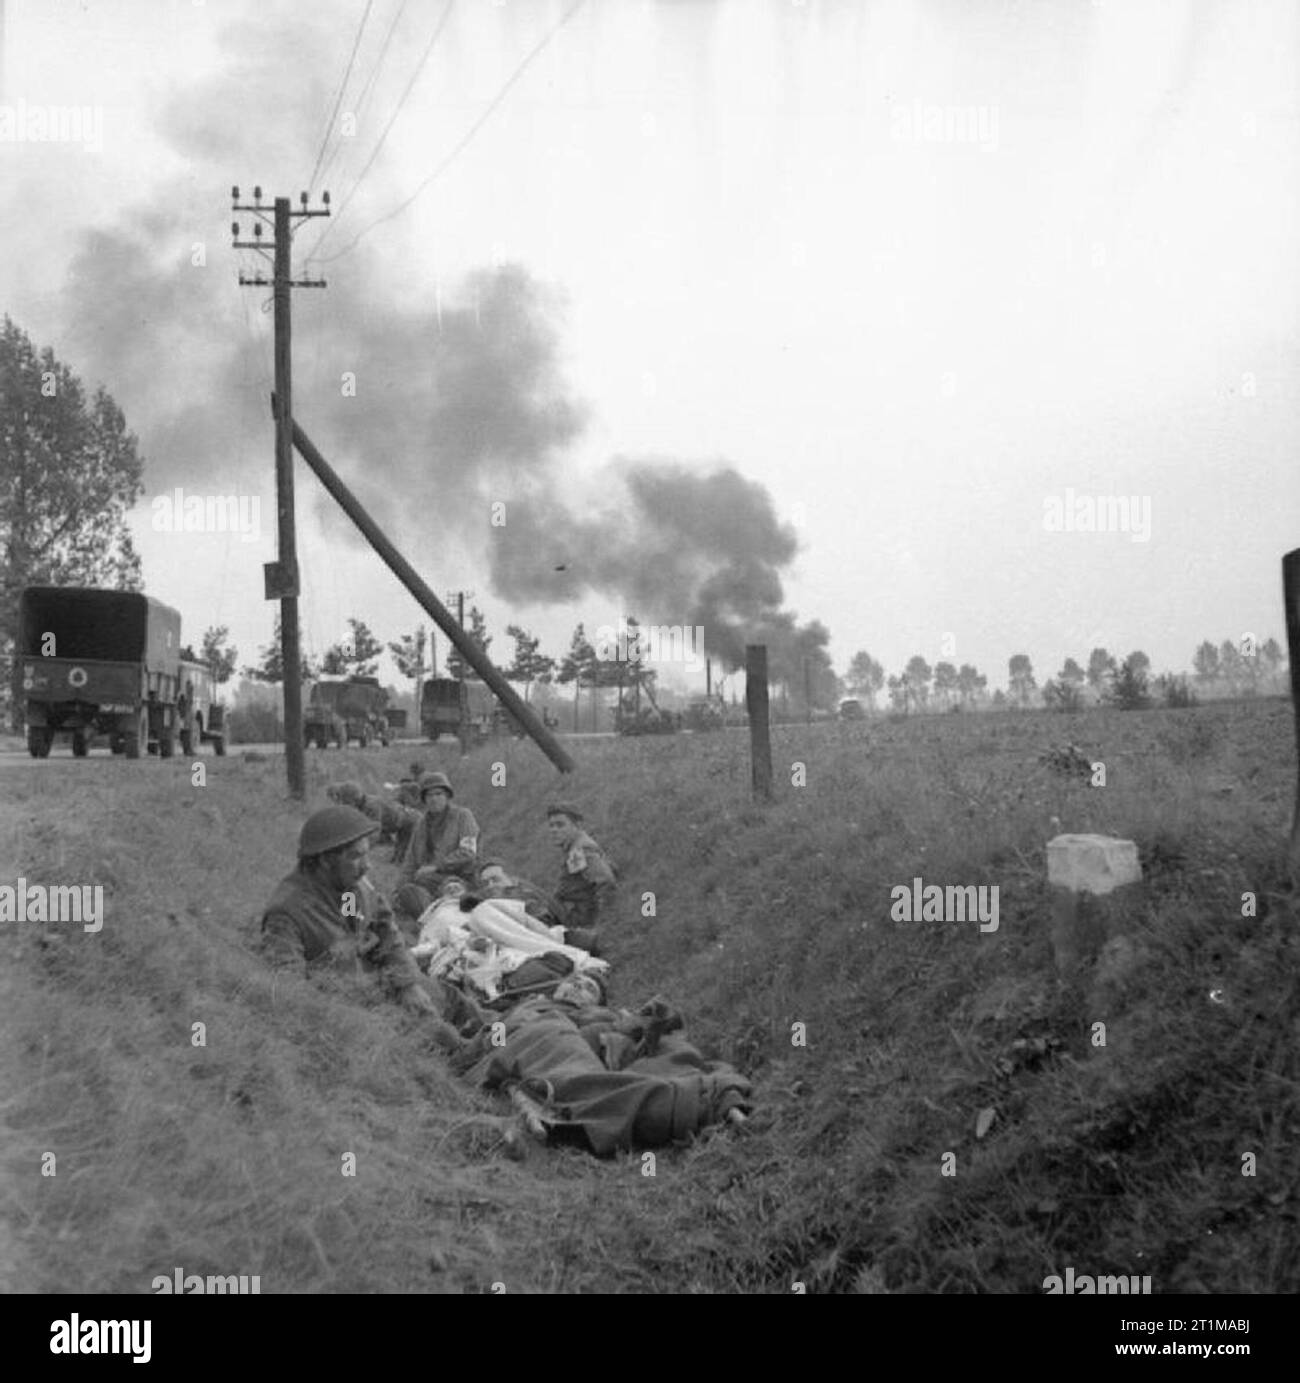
(338, 97)
(464, 142)
(369, 86)
(424, 57)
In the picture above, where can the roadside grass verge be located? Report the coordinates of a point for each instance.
(1125, 1158)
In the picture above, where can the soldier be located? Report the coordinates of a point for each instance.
(443, 839)
(585, 895)
(328, 913)
(496, 881)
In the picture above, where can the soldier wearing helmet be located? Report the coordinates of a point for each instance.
(443, 839)
(327, 912)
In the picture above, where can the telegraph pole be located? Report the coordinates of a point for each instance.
(281, 576)
(459, 598)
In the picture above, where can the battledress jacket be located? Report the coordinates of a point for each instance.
(584, 896)
(308, 924)
(448, 843)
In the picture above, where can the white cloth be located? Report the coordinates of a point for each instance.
(483, 946)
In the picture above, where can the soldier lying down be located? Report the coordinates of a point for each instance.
(602, 1077)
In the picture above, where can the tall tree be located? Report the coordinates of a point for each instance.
(916, 681)
(408, 653)
(1128, 689)
(1205, 663)
(865, 677)
(528, 665)
(1101, 666)
(217, 656)
(477, 631)
(69, 474)
(970, 683)
(1021, 684)
(270, 668)
(362, 648)
(578, 666)
(945, 684)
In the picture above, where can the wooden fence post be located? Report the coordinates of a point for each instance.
(760, 736)
(1291, 595)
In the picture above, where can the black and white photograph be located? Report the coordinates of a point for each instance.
(649, 648)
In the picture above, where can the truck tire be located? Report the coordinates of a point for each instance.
(219, 746)
(39, 739)
(137, 739)
(80, 744)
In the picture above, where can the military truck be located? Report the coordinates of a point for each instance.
(107, 663)
(444, 707)
(346, 708)
(467, 709)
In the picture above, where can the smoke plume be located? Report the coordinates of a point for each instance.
(457, 399)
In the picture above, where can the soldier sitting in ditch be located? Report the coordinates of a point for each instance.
(584, 896)
(328, 913)
(442, 844)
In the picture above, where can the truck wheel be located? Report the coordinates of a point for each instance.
(80, 744)
(137, 740)
(39, 739)
(219, 746)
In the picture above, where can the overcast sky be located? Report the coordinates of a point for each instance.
(916, 271)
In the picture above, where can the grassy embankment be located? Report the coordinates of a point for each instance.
(1122, 1159)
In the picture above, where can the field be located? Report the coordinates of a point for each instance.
(1123, 1159)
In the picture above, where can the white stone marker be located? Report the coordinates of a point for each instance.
(1078, 865)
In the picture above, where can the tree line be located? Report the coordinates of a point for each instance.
(1219, 670)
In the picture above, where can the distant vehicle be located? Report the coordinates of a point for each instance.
(346, 708)
(98, 662)
(651, 721)
(467, 709)
(704, 714)
(852, 710)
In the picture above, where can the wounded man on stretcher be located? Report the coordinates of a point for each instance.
(579, 1071)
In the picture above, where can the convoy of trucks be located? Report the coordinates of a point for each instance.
(96, 663)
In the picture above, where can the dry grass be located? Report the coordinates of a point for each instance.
(1124, 1159)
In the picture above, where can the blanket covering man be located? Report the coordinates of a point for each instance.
(608, 1078)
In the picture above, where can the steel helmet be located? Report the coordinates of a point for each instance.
(331, 828)
(429, 781)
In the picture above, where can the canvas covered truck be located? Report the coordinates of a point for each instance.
(469, 710)
(346, 708)
(107, 663)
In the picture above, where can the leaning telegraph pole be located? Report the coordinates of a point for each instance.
(281, 576)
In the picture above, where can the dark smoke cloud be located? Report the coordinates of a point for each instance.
(458, 402)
